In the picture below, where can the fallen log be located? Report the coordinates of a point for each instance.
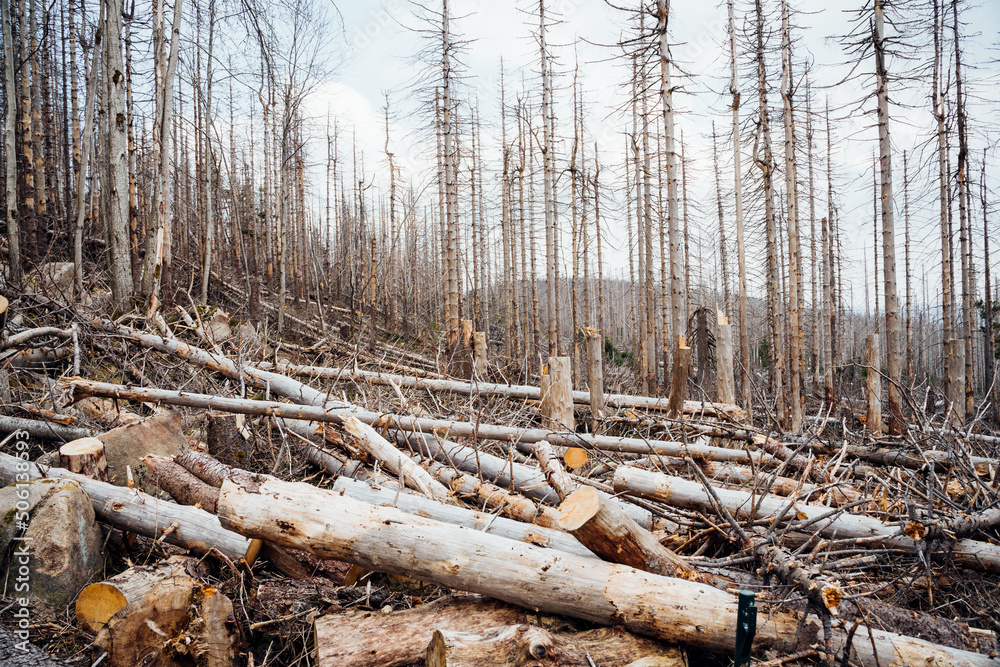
(136, 512)
(43, 430)
(511, 505)
(525, 644)
(386, 539)
(489, 523)
(528, 392)
(335, 411)
(401, 638)
(604, 528)
(680, 492)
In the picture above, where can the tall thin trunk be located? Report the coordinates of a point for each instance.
(10, 157)
(724, 258)
(829, 275)
(892, 328)
(452, 290)
(597, 233)
(738, 199)
(989, 338)
(209, 162)
(964, 229)
(952, 386)
(906, 251)
(27, 149)
(766, 165)
(677, 296)
(792, 197)
(548, 175)
(122, 287)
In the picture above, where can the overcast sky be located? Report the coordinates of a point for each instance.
(381, 58)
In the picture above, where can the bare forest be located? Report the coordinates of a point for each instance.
(535, 333)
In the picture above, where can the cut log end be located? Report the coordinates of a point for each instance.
(97, 603)
(86, 457)
(579, 507)
(575, 457)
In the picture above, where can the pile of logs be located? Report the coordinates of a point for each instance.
(560, 537)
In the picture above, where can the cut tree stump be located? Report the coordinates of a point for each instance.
(177, 623)
(595, 373)
(724, 354)
(531, 645)
(557, 395)
(100, 601)
(873, 387)
(604, 528)
(678, 379)
(480, 355)
(85, 457)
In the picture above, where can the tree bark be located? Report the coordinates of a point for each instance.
(331, 526)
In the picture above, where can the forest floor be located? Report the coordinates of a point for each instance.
(929, 570)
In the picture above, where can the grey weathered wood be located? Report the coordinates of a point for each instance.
(459, 516)
(680, 492)
(137, 512)
(386, 539)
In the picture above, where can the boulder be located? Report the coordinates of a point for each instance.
(125, 446)
(60, 551)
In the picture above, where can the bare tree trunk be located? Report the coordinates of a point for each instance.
(677, 296)
(723, 255)
(10, 157)
(989, 339)
(906, 251)
(548, 170)
(952, 388)
(892, 333)
(738, 197)
(452, 291)
(159, 233)
(965, 227)
(830, 277)
(122, 287)
(209, 167)
(791, 188)
(88, 145)
(766, 165)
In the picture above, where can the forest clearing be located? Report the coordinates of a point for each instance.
(501, 368)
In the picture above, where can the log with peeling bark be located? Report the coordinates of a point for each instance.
(529, 481)
(386, 539)
(401, 638)
(187, 488)
(555, 474)
(684, 493)
(604, 528)
(336, 411)
(527, 644)
(136, 512)
(528, 392)
(489, 523)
